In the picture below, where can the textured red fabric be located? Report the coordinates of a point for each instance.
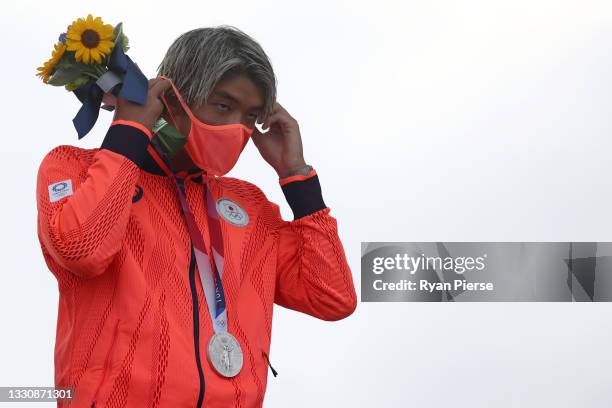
(125, 320)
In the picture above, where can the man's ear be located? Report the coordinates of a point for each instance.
(172, 101)
(174, 107)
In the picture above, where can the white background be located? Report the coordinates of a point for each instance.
(426, 121)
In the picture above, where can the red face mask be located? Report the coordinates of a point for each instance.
(213, 148)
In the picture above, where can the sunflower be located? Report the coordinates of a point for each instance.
(45, 70)
(90, 38)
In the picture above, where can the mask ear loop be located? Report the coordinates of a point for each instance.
(206, 176)
(167, 161)
(180, 99)
(167, 105)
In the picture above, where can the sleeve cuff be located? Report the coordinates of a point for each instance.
(129, 139)
(303, 194)
(297, 177)
(137, 125)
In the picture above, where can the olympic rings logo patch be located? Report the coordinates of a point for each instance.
(232, 212)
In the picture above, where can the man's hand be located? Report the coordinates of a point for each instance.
(148, 113)
(281, 145)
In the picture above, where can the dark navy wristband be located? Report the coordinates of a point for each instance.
(304, 196)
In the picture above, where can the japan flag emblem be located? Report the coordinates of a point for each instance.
(232, 212)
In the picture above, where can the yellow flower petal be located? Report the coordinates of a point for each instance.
(56, 55)
(107, 31)
(79, 54)
(72, 35)
(72, 46)
(95, 55)
(105, 47)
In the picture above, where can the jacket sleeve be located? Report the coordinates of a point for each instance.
(312, 274)
(83, 210)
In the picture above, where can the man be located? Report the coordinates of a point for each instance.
(146, 317)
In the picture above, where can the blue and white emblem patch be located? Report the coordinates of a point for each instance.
(60, 190)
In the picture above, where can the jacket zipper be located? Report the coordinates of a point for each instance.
(196, 325)
(106, 363)
(274, 372)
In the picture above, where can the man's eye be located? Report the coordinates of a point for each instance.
(222, 104)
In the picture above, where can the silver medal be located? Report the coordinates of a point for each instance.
(224, 354)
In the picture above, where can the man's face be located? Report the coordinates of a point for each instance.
(235, 100)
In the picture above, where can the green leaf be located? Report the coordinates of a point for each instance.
(125, 43)
(120, 37)
(67, 69)
(62, 76)
(118, 31)
(66, 60)
(168, 137)
(71, 86)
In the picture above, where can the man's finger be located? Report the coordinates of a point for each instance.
(159, 88)
(153, 81)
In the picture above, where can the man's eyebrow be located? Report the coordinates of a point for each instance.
(232, 98)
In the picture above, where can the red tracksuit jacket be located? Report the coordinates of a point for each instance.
(112, 233)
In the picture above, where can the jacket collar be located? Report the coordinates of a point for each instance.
(150, 165)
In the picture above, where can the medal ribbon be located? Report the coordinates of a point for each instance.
(211, 281)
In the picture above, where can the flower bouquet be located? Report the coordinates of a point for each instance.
(89, 60)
